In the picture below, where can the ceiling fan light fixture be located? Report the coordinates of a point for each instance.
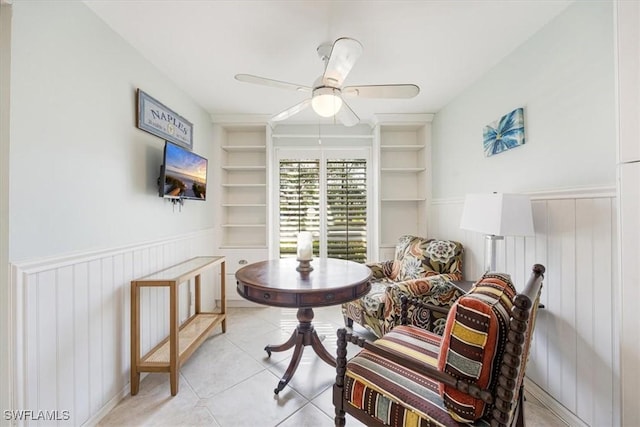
(326, 101)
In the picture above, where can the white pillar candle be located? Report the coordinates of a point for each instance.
(305, 246)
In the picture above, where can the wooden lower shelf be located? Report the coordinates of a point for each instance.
(192, 333)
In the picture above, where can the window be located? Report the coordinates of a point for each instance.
(327, 196)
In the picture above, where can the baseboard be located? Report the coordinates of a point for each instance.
(552, 405)
(240, 303)
(102, 412)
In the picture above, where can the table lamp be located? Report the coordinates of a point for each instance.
(497, 215)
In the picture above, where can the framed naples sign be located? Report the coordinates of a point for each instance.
(157, 119)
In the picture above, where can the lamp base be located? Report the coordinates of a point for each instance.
(304, 265)
(490, 251)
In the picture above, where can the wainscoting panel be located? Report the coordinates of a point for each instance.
(72, 319)
(573, 356)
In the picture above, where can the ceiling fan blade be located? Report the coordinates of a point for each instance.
(249, 78)
(291, 111)
(346, 115)
(382, 91)
(344, 54)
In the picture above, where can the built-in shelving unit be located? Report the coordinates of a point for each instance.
(404, 159)
(242, 215)
(400, 162)
(244, 184)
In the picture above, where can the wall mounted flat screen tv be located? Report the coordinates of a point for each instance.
(183, 174)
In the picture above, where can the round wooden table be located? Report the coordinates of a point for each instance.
(277, 283)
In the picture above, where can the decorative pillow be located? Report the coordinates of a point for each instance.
(473, 343)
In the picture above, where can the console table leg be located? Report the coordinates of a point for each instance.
(173, 380)
(135, 382)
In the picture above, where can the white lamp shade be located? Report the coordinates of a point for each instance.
(498, 214)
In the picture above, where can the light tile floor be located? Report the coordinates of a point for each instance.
(229, 380)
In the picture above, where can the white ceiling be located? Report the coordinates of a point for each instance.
(442, 46)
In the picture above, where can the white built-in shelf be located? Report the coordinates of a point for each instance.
(240, 148)
(243, 168)
(403, 170)
(244, 205)
(321, 135)
(243, 165)
(404, 162)
(412, 147)
(244, 185)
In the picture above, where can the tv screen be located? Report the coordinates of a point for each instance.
(184, 174)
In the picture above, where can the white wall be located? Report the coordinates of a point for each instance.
(84, 214)
(573, 356)
(72, 328)
(564, 78)
(5, 318)
(82, 175)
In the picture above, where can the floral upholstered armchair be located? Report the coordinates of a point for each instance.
(422, 268)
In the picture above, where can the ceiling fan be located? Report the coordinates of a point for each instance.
(327, 92)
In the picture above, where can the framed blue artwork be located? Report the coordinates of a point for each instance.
(505, 133)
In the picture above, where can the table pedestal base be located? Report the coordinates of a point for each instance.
(303, 335)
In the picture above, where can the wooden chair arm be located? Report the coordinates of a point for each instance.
(394, 356)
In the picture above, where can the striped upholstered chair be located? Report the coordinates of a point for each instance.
(471, 375)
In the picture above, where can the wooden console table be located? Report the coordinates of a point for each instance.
(183, 338)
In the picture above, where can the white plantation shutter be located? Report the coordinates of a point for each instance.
(347, 209)
(299, 202)
(340, 223)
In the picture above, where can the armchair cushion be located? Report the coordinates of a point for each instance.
(434, 290)
(473, 341)
(392, 393)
